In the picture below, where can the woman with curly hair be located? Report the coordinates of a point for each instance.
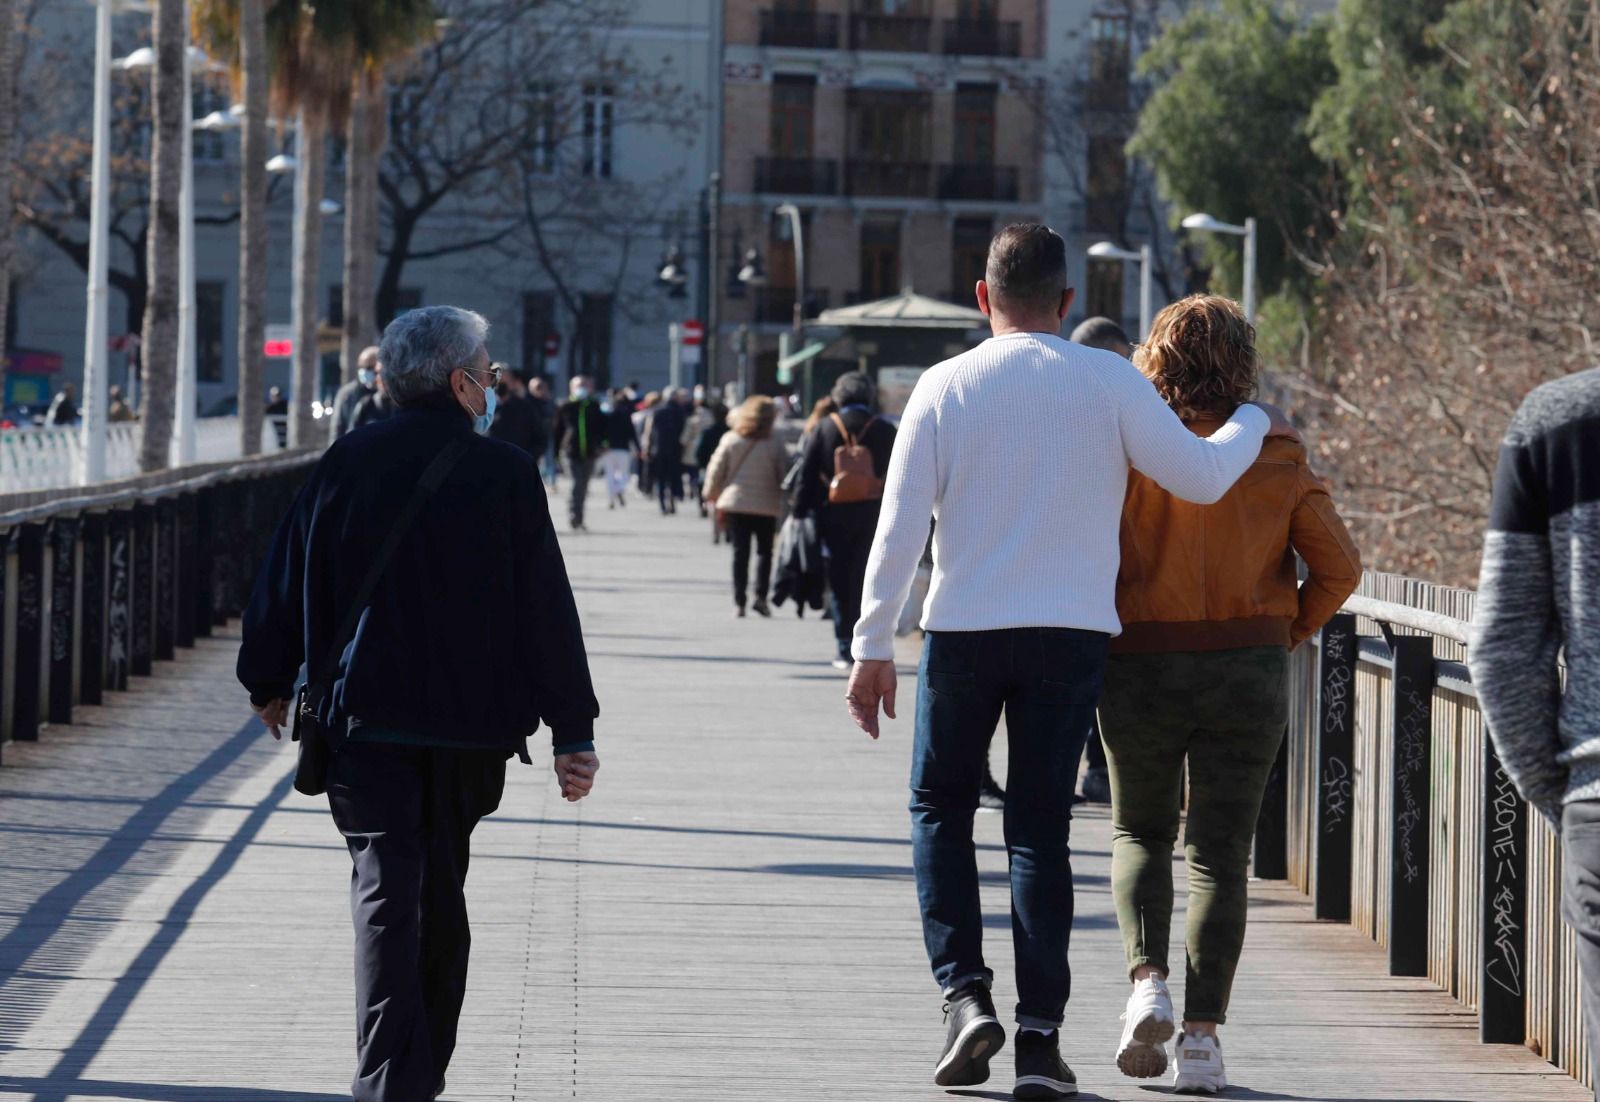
(1210, 609)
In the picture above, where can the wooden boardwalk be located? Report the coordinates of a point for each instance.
(731, 915)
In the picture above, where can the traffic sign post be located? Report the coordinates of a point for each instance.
(278, 343)
(684, 342)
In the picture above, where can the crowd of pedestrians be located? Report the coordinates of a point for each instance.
(1108, 538)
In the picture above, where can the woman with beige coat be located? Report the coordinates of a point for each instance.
(745, 481)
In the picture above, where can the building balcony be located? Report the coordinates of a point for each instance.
(900, 33)
(806, 29)
(996, 183)
(797, 176)
(889, 179)
(775, 305)
(982, 38)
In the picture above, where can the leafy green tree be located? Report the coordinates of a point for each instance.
(1227, 131)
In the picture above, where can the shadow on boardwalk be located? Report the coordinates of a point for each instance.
(730, 916)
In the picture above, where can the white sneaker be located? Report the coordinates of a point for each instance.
(1199, 1065)
(1147, 1026)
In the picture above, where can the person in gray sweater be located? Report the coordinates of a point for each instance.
(1539, 596)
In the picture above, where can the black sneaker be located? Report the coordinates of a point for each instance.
(762, 608)
(1097, 786)
(1041, 1072)
(991, 796)
(975, 1035)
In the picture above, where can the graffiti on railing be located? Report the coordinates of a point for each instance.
(1336, 685)
(61, 590)
(1504, 967)
(1412, 735)
(117, 609)
(1336, 792)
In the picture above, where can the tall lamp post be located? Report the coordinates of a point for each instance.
(1207, 224)
(1105, 250)
(92, 456)
(797, 232)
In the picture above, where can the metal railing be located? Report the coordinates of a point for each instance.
(100, 584)
(48, 458)
(804, 29)
(797, 176)
(996, 183)
(1390, 809)
(982, 37)
(889, 179)
(899, 33)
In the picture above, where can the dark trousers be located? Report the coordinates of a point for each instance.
(743, 528)
(1046, 681)
(669, 481)
(407, 814)
(848, 548)
(1580, 906)
(582, 472)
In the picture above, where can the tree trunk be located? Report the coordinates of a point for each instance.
(160, 345)
(252, 223)
(9, 53)
(360, 219)
(308, 183)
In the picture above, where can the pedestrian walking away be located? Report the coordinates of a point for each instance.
(745, 484)
(581, 432)
(516, 413)
(349, 396)
(376, 406)
(1010, 632)
(1210, 606)
(661, 445)
(846, 504)
(1537, 602)
(622, 445)
(544, 443)
(418, 578)
(701, 416)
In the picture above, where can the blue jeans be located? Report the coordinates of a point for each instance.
(1047, 682)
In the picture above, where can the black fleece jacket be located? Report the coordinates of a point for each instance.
(472, 634)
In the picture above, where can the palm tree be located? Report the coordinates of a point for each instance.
(385, 31)
(8, 139)
(160, 343)
(236, 30)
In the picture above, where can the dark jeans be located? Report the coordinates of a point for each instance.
(742, 529)
(1580, 906)
(407, 814)
(848, 548)
(1046, 682)
(582, 472)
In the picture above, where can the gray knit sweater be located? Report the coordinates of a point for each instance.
(1539, 595)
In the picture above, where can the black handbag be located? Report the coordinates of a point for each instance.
(316, 746)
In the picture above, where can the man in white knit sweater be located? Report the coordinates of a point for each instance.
(1018, 619)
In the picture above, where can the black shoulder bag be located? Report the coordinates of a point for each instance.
(311, 773)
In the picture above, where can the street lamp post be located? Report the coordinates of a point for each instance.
(1105, 250)
(1207, 224)
(92, 459)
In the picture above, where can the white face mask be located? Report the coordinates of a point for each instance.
(367, 376)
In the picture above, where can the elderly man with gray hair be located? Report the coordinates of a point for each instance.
(418, 579)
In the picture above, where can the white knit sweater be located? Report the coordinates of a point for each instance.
(1021, 449)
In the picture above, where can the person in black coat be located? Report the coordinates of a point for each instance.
(846, 529)
(662, 448)
(516, 414)
(469, 643)
(622, 444)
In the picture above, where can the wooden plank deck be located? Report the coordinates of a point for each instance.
(731, 915)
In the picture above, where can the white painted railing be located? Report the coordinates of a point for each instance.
(47, 459)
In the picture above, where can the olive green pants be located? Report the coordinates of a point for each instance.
(1225, 712)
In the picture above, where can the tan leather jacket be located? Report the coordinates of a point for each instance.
(1218, 577)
